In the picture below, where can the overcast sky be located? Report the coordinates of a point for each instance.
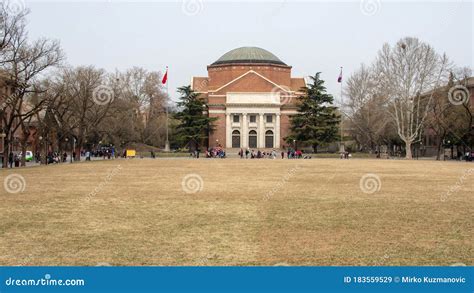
(188, 35)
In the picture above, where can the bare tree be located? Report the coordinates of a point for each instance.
(10, 25)
(26, 63)
(367, 109)
(87, 100)
(407, 71)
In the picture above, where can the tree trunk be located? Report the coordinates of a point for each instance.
(438, 151)
(408, 155)
(44, 151)
(23, 154)
(5, 152)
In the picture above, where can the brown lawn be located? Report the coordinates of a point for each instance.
(245, 212)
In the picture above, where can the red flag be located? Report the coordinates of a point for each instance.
(339, 79)
(165, 77)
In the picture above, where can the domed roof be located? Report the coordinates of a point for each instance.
(248, 55)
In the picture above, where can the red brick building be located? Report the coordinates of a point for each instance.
(253, 95)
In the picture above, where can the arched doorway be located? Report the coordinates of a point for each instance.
(236, 139)
(252, 139)
(269, 139)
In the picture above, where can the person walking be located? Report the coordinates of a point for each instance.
(10, 159)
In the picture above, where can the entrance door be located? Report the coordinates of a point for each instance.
(252, 139)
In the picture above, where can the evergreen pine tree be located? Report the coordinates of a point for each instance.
(194, 125)
(316, 122)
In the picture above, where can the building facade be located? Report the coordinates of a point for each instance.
(253, 95)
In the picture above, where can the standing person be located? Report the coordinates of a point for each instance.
(17, 161)
(247, 153)
(10, 159)
(282, 154)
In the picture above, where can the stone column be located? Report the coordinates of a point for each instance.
(228, 131)
(277, 130)
(261, 131)
(244, 134)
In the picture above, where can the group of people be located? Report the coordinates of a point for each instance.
(347, 155)
(51, 158)
(216, 152)
(105, 152)
(13, 159)
(290, 154)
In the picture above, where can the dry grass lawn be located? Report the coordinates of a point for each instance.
(245, 212)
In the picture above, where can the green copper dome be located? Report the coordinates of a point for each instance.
(248, 55)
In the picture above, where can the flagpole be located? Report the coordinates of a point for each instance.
(167, 143)
(342, 149)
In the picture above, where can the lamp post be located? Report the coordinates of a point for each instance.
(41, 141)
(294, 143)
(73, 152)
(67, 140)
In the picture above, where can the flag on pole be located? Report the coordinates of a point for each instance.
(165, 77)
(339, 79)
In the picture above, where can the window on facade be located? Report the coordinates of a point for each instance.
(269, 139)
(269, 118)
(252, 139)
(236, 139)
(253, 118)
(236, 118)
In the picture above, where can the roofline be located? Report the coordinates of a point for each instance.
(248, 72)
(246, 61)
(238, 63)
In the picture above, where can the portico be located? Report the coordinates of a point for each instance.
(253, 128)
(252, 120)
